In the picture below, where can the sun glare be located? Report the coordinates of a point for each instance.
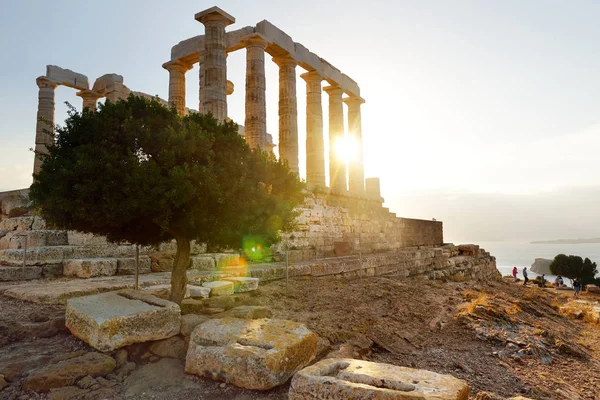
(346, 149)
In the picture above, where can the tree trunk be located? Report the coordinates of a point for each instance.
(180, 266)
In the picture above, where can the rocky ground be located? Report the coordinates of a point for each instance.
(500, 337)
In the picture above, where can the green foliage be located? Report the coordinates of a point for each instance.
(574, 267)
(136, 171)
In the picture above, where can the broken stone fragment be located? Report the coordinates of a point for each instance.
(112, 320)
(254, 354)
(173, 347)
(344, 378)
(219, 288)
(67, 372)
(190, 321)
(243, 284)
(252, 312)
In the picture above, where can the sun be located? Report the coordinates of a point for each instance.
(346, 149)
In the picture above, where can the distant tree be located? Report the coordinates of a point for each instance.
(136, 171)
(574, 267)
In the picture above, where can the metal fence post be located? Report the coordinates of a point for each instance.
(137, 266)
(287, 263)
(25, 257)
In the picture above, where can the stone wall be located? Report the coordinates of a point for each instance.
(333, 224)
(449, 263)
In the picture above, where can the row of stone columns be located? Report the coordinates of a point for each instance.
(213, 92)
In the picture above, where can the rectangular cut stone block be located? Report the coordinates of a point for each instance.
(112, 320)
(219, 288)
(67, 77)
(203, 263)
(199, 291)
(342, 379)
(226, 260)
(243, 284)
(39, 238)
(163, 291)
(254, 354)
(89, 268)
(8, 274)
(126, 266)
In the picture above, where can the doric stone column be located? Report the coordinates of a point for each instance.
(177, 71)
(202, 82)
(337, 166)
(315, 145)
(356, 172)
(288, 112)
(90, 99)
(215, 61)
(44, 128)
(256, 106)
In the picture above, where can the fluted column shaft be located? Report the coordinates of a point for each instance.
(356, 174)
(215, 67)
(202, 82)
(315, 145)
(256, 106)
(177, 72)
(44, 128)
(288, 112)
(337, 166)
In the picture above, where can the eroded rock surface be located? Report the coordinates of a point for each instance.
(254, 354)
(348, 379)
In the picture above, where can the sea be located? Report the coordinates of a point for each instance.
(523, 254)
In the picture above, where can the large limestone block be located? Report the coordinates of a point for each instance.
(126, 266)
(219, 288)
(67, 77)
(254, 354)
(112, 320)
(8, 274)
(22, 223)
(203, 263)
(243, 284)
(348, 379)
(39, 238)
(198, 291)
(10, 203)
(163, 291)
(89, 268)
(226, 260)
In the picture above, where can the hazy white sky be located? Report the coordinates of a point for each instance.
(484, 114)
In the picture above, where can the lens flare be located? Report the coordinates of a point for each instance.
(346, 148)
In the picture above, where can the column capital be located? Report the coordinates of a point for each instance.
(44, 82)
(254, 40)
(312, 76)
(178, 66)
(285, 61)
(214, 14)
(90, 94)
(353, 100)
(334, 90)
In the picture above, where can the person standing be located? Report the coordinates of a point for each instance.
(514, 273)
(577, 287)
(525, 276)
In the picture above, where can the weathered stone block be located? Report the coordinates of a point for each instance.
(192, 306)
(112, 320)
(173, 347)
(13, 202)
(163, 291)
(161, 262)
(52, 270)
(126, 266)
(219, 302)
(8, 274)
(243, 284)
(202, 263)
(219, 288)
(189, 322)
(226, 260)
(342, 379)
(199, 291)
(67, 372)
(253, 354)
(88, 268)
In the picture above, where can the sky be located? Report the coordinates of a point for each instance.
(484, 114)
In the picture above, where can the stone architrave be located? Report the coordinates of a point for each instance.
(256, 354)
(112, 320)
(255, 125)
(215, 61)
(44, 128)
(177, 72)
(340, 378)
(90, 99)
(337, 166)
(288, 111)
(315, 145)
(356, 173)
